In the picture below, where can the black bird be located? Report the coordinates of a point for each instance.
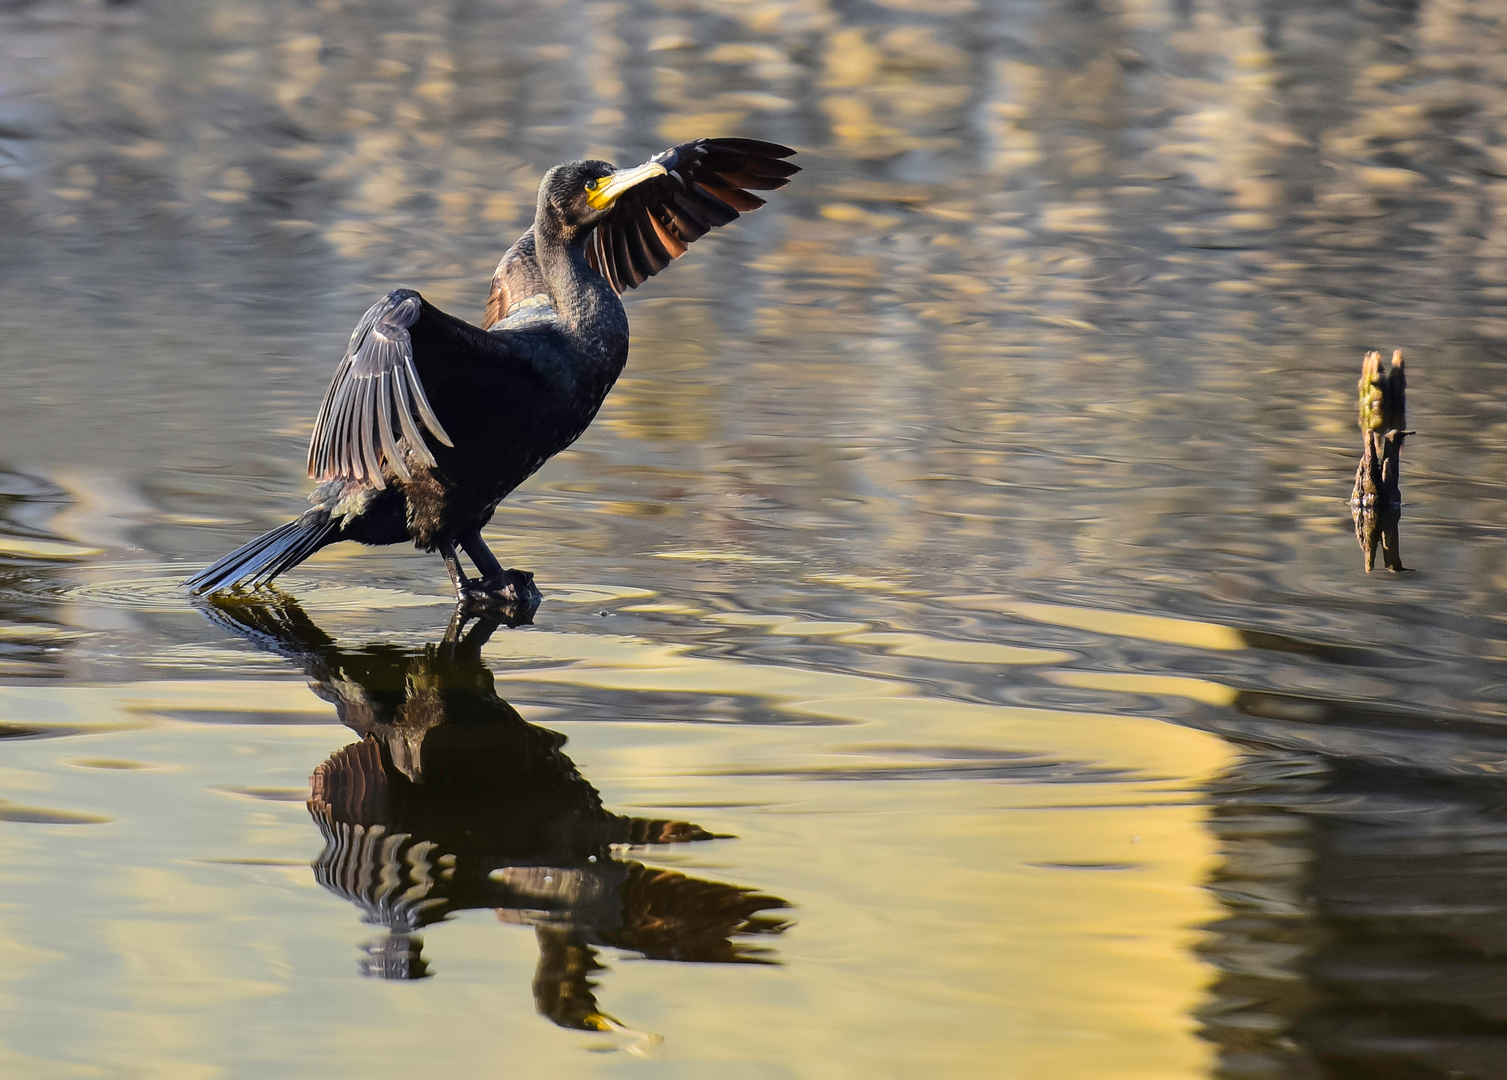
(430, 421)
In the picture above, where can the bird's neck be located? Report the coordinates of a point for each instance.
(586, 305)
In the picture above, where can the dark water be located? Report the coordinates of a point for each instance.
(956, 658)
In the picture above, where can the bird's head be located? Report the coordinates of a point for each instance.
(579, 194)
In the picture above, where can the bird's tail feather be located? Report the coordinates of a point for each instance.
(265, 557)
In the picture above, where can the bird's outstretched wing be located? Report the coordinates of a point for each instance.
(375, 399)
(706, 184)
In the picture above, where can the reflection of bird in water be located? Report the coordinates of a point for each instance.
(452, 801)
(430, 421)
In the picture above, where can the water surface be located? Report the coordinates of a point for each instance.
(956, 659)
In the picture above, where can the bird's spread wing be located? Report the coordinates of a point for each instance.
(375, 399)
(706, 184)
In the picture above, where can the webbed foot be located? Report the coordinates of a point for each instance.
(509, 595)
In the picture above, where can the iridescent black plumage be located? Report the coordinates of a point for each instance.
(430, 421)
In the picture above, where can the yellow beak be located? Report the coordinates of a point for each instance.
(610, 188)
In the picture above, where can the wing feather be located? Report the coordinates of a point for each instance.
(384, 428)
(622, 259)
(516, 280)
(409, 426)
(739, 179)
(688, 227)
(366, 422)
(673, 245)
(713, 210)
(737, 198)
(375, 384)
(336, 448)
(638, 256)
(648, 238)
(752, 146)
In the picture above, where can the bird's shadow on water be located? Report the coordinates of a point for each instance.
(451, 801)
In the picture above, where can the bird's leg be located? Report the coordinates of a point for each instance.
(486, 563)
(452, 567)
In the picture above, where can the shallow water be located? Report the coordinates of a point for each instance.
(963, 657)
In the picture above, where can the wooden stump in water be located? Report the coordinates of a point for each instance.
(1376, 502)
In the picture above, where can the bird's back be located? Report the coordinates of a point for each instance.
(517, 282)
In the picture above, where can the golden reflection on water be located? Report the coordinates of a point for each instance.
(975, 952)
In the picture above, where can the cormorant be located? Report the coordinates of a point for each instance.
(430, 421)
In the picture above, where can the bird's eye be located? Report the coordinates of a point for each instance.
(592, 185)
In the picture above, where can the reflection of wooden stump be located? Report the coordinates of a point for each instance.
(1375, 525)
(1376, 502)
